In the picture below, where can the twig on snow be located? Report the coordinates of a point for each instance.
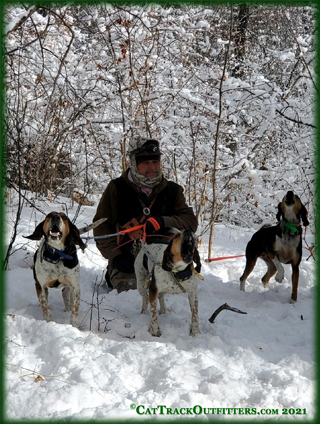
(221, 308)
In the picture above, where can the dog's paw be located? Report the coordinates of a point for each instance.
(155, 332)
(279, 277)
(194, 331)
(243, 286)
(48, 318)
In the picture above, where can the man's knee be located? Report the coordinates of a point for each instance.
(122, 281)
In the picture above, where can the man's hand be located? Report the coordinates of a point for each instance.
(153, 224)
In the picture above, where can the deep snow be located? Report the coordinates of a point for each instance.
(264, 359)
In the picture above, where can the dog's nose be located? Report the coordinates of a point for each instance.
(187, 249)
(289, 198)
(55, 219)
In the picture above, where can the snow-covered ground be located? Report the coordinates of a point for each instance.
(112, 368)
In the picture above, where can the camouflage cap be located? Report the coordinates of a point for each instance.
(140, 147)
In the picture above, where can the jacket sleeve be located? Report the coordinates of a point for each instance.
(183, 216)
(107, 208)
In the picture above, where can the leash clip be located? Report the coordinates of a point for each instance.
(146, 211)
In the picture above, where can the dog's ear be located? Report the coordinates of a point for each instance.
(196, 259)
(279, 213)
(167, 264)
(75, 236)
(38, 232)
(170, 231)
(304, 215)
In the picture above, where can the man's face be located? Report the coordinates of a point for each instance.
(149, 168)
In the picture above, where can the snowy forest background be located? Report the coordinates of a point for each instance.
(230, 93)
(228, 90)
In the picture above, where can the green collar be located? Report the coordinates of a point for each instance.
(288, 228)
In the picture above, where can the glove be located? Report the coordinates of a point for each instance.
(153, 224)
(124, 262)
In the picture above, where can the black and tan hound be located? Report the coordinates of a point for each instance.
(279, 244)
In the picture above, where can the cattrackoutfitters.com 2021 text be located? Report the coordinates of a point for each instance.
(198, 410)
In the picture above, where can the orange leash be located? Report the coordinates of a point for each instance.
(129, 230)
(138, 227)
(130, 241)
(122, 232)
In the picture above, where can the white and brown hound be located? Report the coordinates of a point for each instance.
(56, 263)
(163, 268)
(279, 244)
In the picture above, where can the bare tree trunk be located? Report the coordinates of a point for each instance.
(215, 158)
(123, 153)
(240, 40)
(20, 199)
(193, 169)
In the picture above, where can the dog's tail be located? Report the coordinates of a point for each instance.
(153, 289)
(266, 226)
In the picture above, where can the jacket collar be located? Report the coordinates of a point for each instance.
(155, 190)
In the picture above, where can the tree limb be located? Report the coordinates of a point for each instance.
(294, 120)
(22, 20)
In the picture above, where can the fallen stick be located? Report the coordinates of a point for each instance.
(221, 308)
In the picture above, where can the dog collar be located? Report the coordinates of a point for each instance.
(183, 275)
(288, 228)
(55, 255)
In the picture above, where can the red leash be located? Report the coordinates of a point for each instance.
(221, 259)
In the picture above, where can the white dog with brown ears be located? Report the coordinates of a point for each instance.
(56, 262)
(163, 268)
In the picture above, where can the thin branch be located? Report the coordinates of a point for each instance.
(221, 308)
(295, 120)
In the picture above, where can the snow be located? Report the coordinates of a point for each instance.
(262, 359)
